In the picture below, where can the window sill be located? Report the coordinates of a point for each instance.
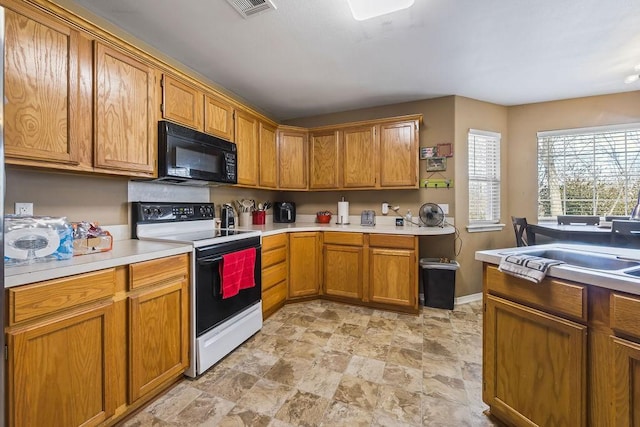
(481, 228)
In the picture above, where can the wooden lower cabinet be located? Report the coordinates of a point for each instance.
(304, 264)
(91, 348)
(626, 383)
(343, 271)
(275, 273)
(393, 277)
(60, 370)
(535, 366)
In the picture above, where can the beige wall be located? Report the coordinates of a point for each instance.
(526, 120)
(473, 114)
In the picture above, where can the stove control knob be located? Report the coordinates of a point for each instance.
(146, 212)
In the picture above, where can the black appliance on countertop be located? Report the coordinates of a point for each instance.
(284, 212)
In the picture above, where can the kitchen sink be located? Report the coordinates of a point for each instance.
(633, 272)
(586, 259)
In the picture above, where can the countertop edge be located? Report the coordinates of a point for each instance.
(278, 228)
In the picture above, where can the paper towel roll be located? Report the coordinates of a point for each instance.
(343, 213)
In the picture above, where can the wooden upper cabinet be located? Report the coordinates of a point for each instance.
(268, 156)
(292, 153)
(42, 89)
(360, 159)
(247, 142)
(125, 126)
(399, 154)
(218, 117)
(181, 103)
(324, 172)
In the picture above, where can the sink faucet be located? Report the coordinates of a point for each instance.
(635, 213)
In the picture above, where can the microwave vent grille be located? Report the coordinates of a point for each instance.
(249, 8)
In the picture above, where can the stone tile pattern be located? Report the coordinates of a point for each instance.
(321, 363)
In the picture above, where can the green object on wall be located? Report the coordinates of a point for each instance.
(436, 183)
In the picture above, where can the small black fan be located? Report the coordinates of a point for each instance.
(432, 215)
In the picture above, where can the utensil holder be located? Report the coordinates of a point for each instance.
(244, 218)
(259, 217)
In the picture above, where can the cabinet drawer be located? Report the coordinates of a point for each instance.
(32, 301)
(274, 256)
(392, 241)
(551, 294)
(154, 271)
(625, 314)
(274, 274)
(275, 241)
(341, 238)
(274, 296)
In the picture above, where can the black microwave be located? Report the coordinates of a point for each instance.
(186, 156)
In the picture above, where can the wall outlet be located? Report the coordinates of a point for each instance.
(385, 208)
(444, 207)
(24, 208)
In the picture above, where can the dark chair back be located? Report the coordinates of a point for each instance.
(524, 237)
(578, 219)
(625, 233)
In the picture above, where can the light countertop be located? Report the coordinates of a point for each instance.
(614, 280)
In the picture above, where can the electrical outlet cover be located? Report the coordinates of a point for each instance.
(24, 208)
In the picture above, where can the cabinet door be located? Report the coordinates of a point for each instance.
(626, 384)
(158, 336)
(534, 366)
(218, 117)
(247, 142)
(61, 372)
(324, 163)
(292, 152)
(304, 262)
(359, 157)
(343, 272)
(181, 103)
(42, 89)
(126, 129)
(392, 277)
(399, 154)
(268, 156)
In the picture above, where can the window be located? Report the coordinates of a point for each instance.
(590, 171)
(484, 177)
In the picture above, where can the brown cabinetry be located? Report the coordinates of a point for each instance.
(359, 157)
(274, 273)
(343, 259)
(218, 117)
(304, 264)
(181, 103)
(91, 348)
(324, 166)
(125, 125)
(292, 158)
(268, 156)
(246, 131)
(398, 154)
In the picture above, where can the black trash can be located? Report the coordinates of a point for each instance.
(438, 282)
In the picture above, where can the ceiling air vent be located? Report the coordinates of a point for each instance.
(249, 8)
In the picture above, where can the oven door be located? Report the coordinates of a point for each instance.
(211, 309)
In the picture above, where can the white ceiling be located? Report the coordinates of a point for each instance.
(311, 57)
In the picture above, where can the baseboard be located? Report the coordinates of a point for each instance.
(468, 298)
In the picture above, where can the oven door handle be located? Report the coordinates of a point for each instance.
(210, 261)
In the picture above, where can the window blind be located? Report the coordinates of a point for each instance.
(589, 171)
(484, 176)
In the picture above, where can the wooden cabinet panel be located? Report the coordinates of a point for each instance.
(274, 275)
(360, 158)
(343, 238)
(60, 372)
(399, 154)
(218, 117)
(181, 103)
(392, 277)
(152, 272)
(534, 366)
(273, 298)
(551, 294)
(247, 142)
(274, 256)
(625, 314)
(125, 126)
(292, 155)
(268, 156)
(274, 241)
(626, 383)
(158, 336)
(42, 89)
(304, 264)
(392, 241)
(37, 300)
(324, 164)
(343, 271)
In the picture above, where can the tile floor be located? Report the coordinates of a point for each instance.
(321, 363)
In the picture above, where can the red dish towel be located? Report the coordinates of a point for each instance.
(236, 272)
